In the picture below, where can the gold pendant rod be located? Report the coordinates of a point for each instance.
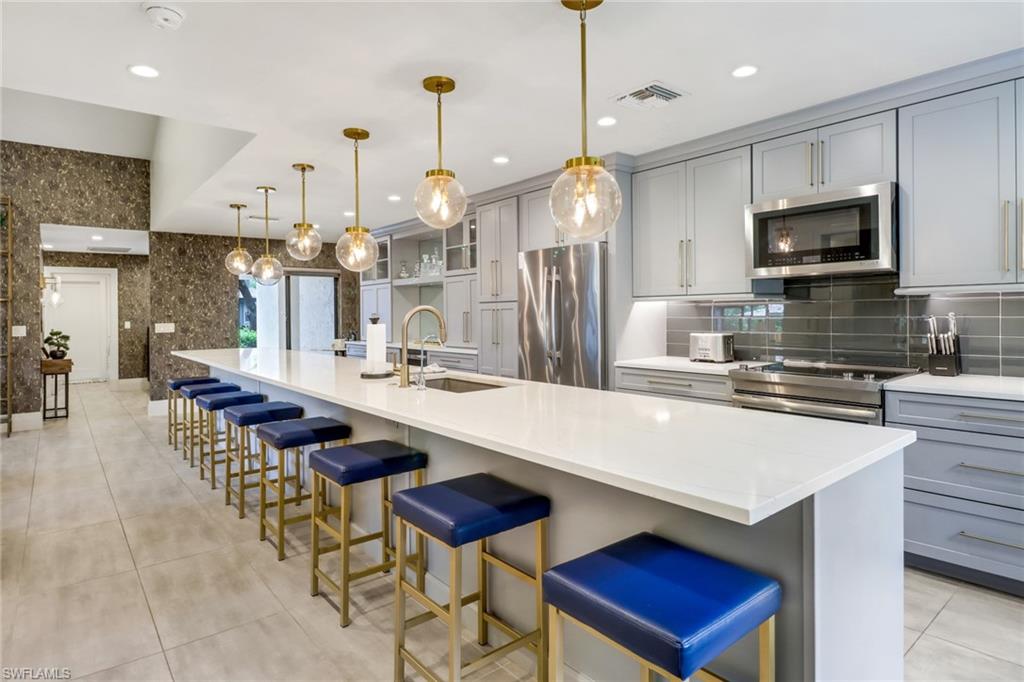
(266, 222)
(303, 172)
(238, 224)
(439, 126)
(583, 73)
(355, 145)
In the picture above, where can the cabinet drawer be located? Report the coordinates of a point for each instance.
(981, 415)
(974, 466)
(466, 363)
(355, 350)
(683, 384)
(687, 398)
(970, 534)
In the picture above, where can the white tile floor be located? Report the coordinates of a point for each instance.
(118, 563)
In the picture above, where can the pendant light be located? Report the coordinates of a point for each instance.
(585, 201)
(267, 270)
(440, 199)
(238, 260)
(303, 242)
(357, 249)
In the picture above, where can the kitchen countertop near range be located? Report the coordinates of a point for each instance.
(965, 385)
(674, 363)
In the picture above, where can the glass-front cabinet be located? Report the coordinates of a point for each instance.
(460, 247)
(381, 270)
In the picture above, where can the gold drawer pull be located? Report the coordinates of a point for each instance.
(665, 382)
(982, 538)
(993, 417)
(994, 470)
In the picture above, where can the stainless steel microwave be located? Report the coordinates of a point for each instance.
(847, 230)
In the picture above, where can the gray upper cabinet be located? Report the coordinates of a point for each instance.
(375, 299)
(717, 189)
(1020, 180)
(536, 226)
(498, 239)
(958, 189)
(860, 151)
(688, 235)
(659, 231)
(857, 152)
(786, 166)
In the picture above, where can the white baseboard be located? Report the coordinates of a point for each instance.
(157, 408)
(134, 384)
(27, 421)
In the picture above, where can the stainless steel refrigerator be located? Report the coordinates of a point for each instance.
(562, 315)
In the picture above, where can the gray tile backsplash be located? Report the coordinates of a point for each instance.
(858, 320)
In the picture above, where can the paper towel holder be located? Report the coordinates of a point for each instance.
(386, 374)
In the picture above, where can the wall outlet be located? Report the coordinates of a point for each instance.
(127, 324)
(163, 328)
(19, 330)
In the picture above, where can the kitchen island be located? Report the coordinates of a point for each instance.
(816, 504)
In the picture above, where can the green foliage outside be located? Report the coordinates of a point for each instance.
(246, 337)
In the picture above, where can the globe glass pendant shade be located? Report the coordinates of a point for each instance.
(585, 201)
(238, 262)
(304, 243)
(356, 250)
(440, 201)
(267, 271)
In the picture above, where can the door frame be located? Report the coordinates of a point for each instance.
(110, 275)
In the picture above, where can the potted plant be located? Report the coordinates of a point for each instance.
(57, 343)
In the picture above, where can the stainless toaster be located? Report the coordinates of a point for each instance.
(711, 347)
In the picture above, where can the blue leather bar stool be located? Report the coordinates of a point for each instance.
(174, 425)
(343, 467)
(239, 444)
(670, 608)
(192, 428)
(283, 436)
(454, 513)
(209, 405)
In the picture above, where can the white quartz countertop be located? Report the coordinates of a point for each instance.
(671, 363)
(741, 465)
(430, 349)
(966, 385)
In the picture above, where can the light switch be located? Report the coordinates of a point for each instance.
(163, 328)
(19, 330)
(127, 324)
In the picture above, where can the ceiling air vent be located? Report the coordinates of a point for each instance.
(651, 96)
(109, 249)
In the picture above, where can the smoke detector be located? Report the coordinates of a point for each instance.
(650, 96)
(163, 16)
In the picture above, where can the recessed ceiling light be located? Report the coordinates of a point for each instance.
(744, 71)
(349, 214)
(143, 71)
(97, 237)
(393, 198)
(606, 121)
(500, 160)
(47, 246)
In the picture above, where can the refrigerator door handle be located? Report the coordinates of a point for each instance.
(545, 316)
(555, 319)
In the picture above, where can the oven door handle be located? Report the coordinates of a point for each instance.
(810, 409)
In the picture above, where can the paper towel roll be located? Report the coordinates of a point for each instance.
(376, 348)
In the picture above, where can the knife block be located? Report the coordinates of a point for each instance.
(946, 365)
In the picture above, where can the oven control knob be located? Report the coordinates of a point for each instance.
(870, 376)
(847, 375)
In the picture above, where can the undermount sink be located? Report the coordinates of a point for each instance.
(453, 385)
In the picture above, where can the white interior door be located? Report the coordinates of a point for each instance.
(85, 316)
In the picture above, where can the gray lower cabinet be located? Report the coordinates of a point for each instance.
(957, 175)
(462, 362)
(499, 340)
(964, 484)
(704, 388)
(460, 298)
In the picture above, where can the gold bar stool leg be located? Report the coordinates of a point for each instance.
(421, 544)
(555, 651)
(481, 567)
(455, 615)
(766, 650)
(202, 443)
(314, 535)
(191, 440)
(171, 423)
(282, 477)
(400, 600)
(541, 565)
(263, 490)
(385, 521)
(346, 542)
(227, 462)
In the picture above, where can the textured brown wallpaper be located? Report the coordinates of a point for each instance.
(132, 303)
(65, 187)
(191, 288)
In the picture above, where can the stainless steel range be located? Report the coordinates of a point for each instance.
(818, 389)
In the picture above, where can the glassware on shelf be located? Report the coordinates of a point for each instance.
(416, 270)
(404, 272)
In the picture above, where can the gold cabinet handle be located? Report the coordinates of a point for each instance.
(810, 163)
(982, 538)
(991, 417)
(668, 382)
(1006, 235)
(821, 163)
(994, 470)
(682, 263)
(1020, 231)
(690, 264)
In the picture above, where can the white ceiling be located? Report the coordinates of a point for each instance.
(294, 74)
(80, 239)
